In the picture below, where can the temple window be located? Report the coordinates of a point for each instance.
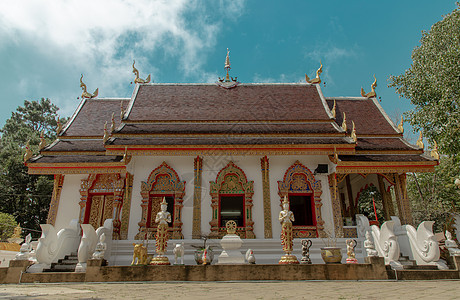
(304, 194)
(232, 208)
(162, 182)
(303, 208)
(231, 199)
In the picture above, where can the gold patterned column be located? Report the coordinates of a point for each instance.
(126, 209)
(265, 168)
(54, 205)
(198, 166)
(402, 200)
(336, 206)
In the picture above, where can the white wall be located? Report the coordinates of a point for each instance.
(68, 208)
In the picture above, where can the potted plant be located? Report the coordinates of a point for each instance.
(200, 249)
(331, 254)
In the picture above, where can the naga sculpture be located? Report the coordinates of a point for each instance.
(315, 80)
(372, 92)
(137, 79)
(85, 94)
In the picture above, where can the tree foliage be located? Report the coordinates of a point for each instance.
(26, 196)
(366, 200)
(432, 84)
(7, 225)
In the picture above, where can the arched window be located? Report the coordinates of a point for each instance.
(231, 199)
(102, 199)
(304, 194)
(162, 182)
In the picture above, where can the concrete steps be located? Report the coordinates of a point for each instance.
(67, 264)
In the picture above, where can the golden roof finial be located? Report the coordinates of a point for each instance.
(59, 126)
(228, 82)
(112, 127)
(344, 122)
(137, 79)
(420, 141)
(42, 141)
(372, 92)
(333, 109)
(401, 125)
(434, 152)
(28, 155)
(316, 80)
(85, 94)
(353, 132)
(106, 134)
(227, 60)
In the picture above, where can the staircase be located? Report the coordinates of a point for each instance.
(67, 264)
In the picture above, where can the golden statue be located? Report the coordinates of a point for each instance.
(42, 141)
(162, 219)
(372, 92)
(317, 79)
(85, 94)
(16, 237)
(137, 79)
(286, 218)
(28, 155)
(140, 256)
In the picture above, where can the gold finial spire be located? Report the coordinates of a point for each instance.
(344, 122)
(316, 80)
(28, 153)
(353, 132)
(372, 92)
(106, 134)
(112, 127)
(434, 152)
(333, 111)
(85, 94)
(42, 141)
(227, 82)
(420, 141)
(59, 126)
(401, 125)
(227, 60)
(137, 79)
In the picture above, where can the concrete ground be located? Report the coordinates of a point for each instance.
(448, 289)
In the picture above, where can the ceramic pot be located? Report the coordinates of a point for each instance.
(331, 255)
(199, 256)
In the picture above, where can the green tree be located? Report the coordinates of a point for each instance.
(432, 84)
(7, 225)
(366, 204)
(26, 196)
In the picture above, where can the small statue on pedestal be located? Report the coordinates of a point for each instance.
(451, 245)
(369, 245)
(24, 251)
(163, 218)
(179, 254)
(286, 218)
(351, 245)
(250, 258)
(306, 244)
(101, 246)
(140, 256)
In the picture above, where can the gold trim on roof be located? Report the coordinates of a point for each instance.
(137, 79)
(353, 132)
(315, 80)
(58, 126)
(42, 144)
(434, 153)
(85, 94)
(112, 126)
(372, 93)
(106, 134)
(28, 155)
(401, 125)
(209, 135)
(420, 143)
(333, 111)
(224, 121)
(344, 122)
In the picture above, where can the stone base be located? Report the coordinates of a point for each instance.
(80, 268)
(160, 260)
(230, 257)
(352, 260)
(288, 259)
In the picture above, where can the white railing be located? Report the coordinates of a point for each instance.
(53, 245)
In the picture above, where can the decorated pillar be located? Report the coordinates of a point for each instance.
(126, 210)
(402, 200)
(336, 206)
(54, 205)
(198, 166)
(266, 197)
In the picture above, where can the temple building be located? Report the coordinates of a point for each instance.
(227, 151)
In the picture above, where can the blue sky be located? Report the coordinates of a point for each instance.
(46, 45)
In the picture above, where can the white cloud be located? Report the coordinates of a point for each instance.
(100, 38)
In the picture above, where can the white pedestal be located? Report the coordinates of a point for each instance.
(231, 243)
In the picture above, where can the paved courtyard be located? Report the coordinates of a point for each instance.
(239, 290)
